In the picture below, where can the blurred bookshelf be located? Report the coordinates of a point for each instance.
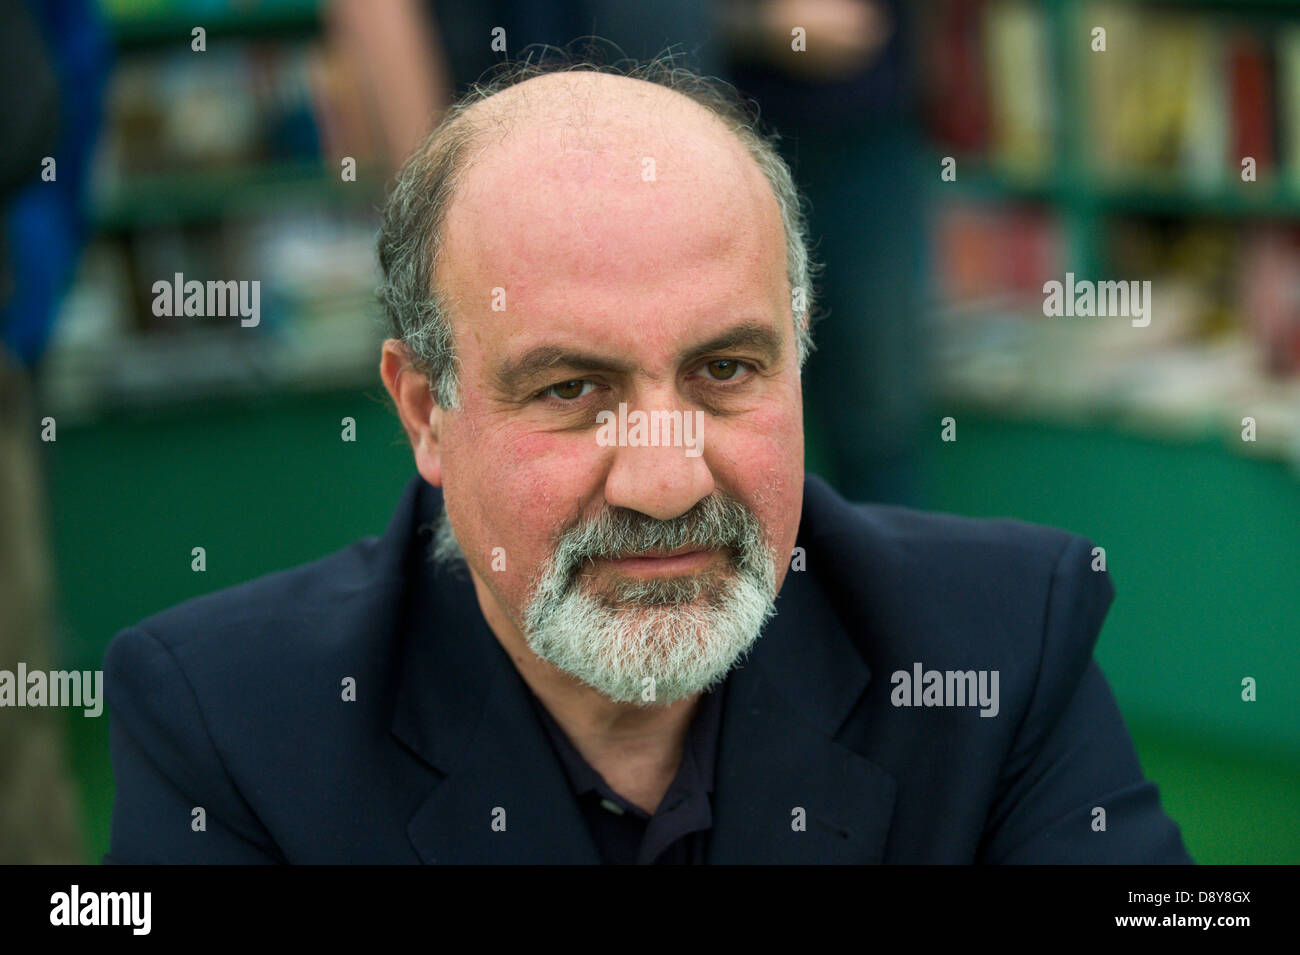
(222, 164)
(1122, 164)
(1117, 165)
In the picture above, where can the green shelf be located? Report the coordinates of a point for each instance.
(1263, 200)
(1255, 200)
(173, 23)
(210, 195)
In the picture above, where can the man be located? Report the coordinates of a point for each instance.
(602, 641)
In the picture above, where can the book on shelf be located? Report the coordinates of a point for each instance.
(1020, 88)
(1175, 102)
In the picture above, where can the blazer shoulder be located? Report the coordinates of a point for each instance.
(908, 545)
(292, 615)
(872, 527)
(285, 617)
(236, 693)
(913, 582)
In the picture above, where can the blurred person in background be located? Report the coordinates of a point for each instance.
(53, 62)
(849, 122)
(833, 77)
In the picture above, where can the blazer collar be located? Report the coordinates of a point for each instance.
(786, 791)
(463, 709)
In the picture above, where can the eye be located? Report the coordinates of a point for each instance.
(569, 390)
(724, 369)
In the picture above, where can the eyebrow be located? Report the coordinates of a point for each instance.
(533, 362)
(760, 338)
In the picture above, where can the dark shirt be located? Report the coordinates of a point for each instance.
(625, 834)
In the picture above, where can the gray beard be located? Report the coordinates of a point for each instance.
(647, 641)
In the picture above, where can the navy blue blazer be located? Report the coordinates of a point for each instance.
(233, 703)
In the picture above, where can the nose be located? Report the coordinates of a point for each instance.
(661, 481)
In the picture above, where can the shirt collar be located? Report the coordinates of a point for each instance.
(699, 754)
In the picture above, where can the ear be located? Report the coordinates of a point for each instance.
(421, 416)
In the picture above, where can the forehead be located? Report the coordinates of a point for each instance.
(591, 207)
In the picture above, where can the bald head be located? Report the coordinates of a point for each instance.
(578, 156)
(587, 110)
(583, 187)
(593, 132)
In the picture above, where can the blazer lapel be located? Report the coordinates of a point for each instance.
(463, 709)
(779, 764)
(508, 800)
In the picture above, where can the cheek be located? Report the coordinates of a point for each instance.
(760, 460)
(545, 476)
(516, 488)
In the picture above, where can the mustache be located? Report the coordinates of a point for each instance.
(715, 523)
